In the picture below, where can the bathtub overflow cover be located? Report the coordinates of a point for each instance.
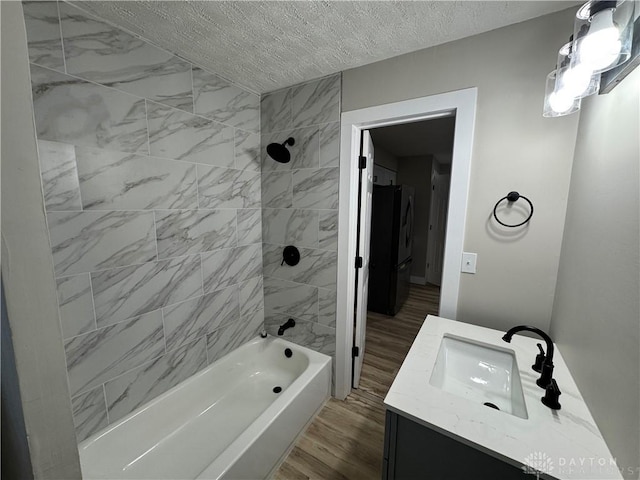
(277, 389)
(288, 352)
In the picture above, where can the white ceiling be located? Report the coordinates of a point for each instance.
(267, 45)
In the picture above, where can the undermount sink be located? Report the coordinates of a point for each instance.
(481, 373)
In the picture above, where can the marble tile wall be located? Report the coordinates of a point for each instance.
(300, 207)
(151, 179)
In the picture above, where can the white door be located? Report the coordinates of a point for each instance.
(362, 273)
(437, 225)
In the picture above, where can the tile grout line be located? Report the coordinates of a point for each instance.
(270, 277)
(64, 56)
(155, 236)
(93, 302)
(122, 92)
(193, 90)
(146, 362)
(77, 175)
(146, 118)
(93, 82)
(106, 404)
(120, 375)
(146, 155)
(202, 275)
(198, 207)
(237, 235)
(133, 210)
(164, 330)
(137, 315)
(206, 347)
(235, 153)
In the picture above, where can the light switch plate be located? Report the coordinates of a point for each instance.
(469, 262)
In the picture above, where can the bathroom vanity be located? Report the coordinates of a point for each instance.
(465, 404)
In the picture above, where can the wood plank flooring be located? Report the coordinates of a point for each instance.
(345, 440)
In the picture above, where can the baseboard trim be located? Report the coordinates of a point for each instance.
(418, 280)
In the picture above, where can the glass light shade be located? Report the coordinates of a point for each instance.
(603, 34)
(558, 102)
(578, 79)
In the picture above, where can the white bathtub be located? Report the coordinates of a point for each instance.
(224, 422)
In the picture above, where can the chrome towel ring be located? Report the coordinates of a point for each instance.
(513, 197)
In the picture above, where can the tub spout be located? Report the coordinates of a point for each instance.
(290, 324)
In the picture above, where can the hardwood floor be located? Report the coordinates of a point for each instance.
(345, 440)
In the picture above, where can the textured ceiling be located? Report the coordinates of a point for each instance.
(267, 45)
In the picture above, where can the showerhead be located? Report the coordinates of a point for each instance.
(279, 152)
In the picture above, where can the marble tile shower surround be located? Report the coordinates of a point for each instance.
(300, 207)
(42, 23)
(102, 53)
(150, 169)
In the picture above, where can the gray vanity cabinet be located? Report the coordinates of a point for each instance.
(413, 451)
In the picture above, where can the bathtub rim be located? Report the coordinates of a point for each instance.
(232, 452)
(228, 458)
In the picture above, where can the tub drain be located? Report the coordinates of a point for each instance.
(279, 389)
(492, 405)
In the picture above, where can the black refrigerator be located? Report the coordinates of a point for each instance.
(390, 252)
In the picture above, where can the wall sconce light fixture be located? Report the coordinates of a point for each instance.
(603, 40)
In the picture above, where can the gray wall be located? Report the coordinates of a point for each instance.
(300, 208)
(596, 314)
(385, 159)
(416, 171)
(16, 459)
(515, 148)
(27, 272)
(151, 183)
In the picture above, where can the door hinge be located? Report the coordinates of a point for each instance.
(355, 351)
(358, 262)
(362, 162)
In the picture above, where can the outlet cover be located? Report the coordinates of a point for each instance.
(469, 262)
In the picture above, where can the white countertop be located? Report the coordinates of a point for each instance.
(566, 443)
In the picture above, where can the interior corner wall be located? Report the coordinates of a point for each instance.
(27, 270)
(596, 314)
(515, 148)
(385, 159)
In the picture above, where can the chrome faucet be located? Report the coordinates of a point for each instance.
(544, 362)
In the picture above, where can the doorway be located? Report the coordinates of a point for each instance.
(415, 157)
(462, 104)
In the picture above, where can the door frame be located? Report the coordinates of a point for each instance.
(463, 104)
(430, 242)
